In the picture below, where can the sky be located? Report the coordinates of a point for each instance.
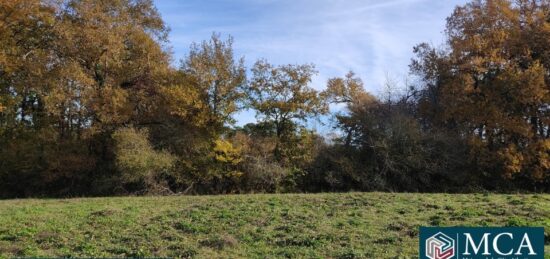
(373, 38)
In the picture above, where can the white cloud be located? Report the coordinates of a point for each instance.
(371, 37)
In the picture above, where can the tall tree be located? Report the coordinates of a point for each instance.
(282, 96)
(70, 73)
(349, 91)
(492, 84)
(220, 77)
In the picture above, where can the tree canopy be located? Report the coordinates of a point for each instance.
(91, 104)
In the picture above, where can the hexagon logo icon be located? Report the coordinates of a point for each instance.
(440, 246)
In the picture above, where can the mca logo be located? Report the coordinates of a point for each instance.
(481, 242)
(440, 246)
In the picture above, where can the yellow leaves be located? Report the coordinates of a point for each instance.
(218, 75)
(281, 94)
(111, 105)
(512, 159)
(226, 160)
(493, 84)
(539, 157)
(185, 102)
(235, 174)
(533, 159)
(531, 85)
(347, 90)
(225, 152)
(69, 87)
(135, 156)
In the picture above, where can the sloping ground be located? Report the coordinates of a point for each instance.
(368, 225)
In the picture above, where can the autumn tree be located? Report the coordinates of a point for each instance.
(492, 84)
(198, 103)
(350, 92)
(383, 145)
(91, 105)
(211, 65)
(282, 96)
(71, 72)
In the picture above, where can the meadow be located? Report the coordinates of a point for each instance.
(346, 225)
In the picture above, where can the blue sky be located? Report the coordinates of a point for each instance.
(374, 38)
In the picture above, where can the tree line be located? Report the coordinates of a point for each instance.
(91, 105)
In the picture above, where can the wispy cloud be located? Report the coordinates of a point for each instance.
(371, 37)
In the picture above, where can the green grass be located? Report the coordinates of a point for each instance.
(349, 225)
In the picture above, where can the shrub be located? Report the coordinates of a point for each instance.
(141, 166)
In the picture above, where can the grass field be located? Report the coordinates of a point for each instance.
(349, 225)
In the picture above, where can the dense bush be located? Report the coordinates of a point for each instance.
(141, 168)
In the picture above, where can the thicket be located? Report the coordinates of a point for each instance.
(90, 105)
